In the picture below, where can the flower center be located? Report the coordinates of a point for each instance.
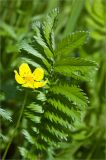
(29, 78)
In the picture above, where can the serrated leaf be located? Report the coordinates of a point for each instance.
(75, 40)
(33, 140)
(72, 93)
(58, 120)
(48, 25)
(26, 154)
(28, 136)
(69, 111)
(41, 39)
(5, 114)
(35, 108)
(78, 68)
(33, 118)
(29, 61)
(30, 50)
(58, 133)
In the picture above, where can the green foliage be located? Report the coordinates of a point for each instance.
(26, 154)
(77, 68)
(48, 25)
(5, 114)
(75, 11)
(75, 40)
(58, 122)
(72, 93)
(96, 19)
(52, 120)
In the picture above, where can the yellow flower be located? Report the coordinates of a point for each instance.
(28, 79)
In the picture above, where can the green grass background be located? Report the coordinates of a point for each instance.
(15, 24)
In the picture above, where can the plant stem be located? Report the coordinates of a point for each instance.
(17, 125)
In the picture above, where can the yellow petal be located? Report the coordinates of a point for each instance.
(38, 74)
(18, 78)
(39, 84)
(24, 70)
(28, 85)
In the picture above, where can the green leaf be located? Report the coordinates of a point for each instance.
(30, 50)
(40, 39)
(34, 52)
(35, 108)
(77, 68)
(74, 40)
(41, 42)
(28, 137)
(69, 111)
(5, 114)
(26, 154)
(72, 93)
(29, 61)
(58, 120)
(31, 112)
(33, 118)
(33, 140)
(60, 134)
(48, 25)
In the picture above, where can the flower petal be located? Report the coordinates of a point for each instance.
(38, 74)
(24, 70)
(18, 78)
(39, 84)
(28, 85)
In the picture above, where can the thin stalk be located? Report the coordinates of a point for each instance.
(17, 125)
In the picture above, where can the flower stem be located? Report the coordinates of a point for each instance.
(17, 125)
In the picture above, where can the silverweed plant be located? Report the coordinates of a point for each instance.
(59, 104)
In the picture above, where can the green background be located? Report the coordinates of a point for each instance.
(15, 25)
